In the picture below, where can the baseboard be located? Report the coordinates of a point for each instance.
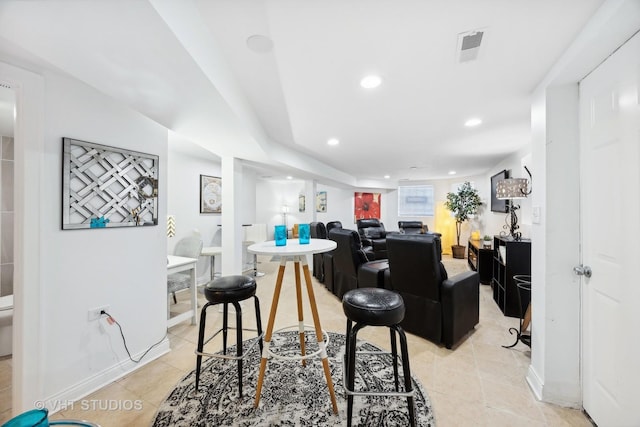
(535, 383)
(65, 398)
(569, 398)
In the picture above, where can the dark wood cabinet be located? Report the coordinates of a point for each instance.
(480, 259)
(510, 258)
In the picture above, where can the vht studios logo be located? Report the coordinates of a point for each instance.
(91, 405)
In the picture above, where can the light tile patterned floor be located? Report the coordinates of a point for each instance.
(478, 383)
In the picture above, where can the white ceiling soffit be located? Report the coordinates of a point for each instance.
(187, 65)
(125, 50)
(305, 88)
(185, 20)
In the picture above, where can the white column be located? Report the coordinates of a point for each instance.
(232, 232)
(28, 352)
(311, 199)
(554, 373)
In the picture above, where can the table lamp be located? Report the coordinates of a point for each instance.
(512, 189)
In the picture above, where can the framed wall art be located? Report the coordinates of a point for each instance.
(321, 201)
(210, 194)
(302, 203)
(105, 187)
(366, 205)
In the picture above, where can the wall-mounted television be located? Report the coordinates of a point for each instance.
(498, 205)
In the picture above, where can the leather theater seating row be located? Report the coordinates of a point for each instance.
(438, 308)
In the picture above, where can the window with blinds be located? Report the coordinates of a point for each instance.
(415, 200)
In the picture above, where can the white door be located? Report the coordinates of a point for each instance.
(610, 215)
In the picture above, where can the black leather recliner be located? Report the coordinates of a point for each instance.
(318, 231)
(438, 308)
(373, 234)
(412, 227)
(327, 258)
(416, 227)
(333, 224)
(351, 267)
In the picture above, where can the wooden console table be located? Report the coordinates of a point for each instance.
(480, 259)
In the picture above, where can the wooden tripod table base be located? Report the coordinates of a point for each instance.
(322, 352)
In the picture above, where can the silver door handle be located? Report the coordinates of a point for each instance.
(582, 270)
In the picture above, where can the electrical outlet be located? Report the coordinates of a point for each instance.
(94, 313)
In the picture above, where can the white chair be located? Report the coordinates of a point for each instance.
(189, 247)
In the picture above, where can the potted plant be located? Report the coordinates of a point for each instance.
(462, 204)
(486, 241)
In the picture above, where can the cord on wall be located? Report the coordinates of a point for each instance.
(111, 320)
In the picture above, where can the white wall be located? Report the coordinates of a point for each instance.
(562, 232)
(87, 268)
(494, 222)
(83, 269)
(186, 162)
(340, 206)
(29, 179)
(554, 373)
(271, 195)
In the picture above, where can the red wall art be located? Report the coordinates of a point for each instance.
(366, 205)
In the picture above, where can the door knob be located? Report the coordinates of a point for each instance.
(582, 270)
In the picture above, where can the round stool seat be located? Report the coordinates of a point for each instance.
(229, 289)
(373, 306)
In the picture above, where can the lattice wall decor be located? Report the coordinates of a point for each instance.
(108, 187)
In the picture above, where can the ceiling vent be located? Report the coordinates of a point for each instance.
(469, 45)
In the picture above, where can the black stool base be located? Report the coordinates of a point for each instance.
(376, 307)
(223, 291)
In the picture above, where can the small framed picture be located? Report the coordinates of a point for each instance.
(321, 201)
(210, 194)
(301, 203)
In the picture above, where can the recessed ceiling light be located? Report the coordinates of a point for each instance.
(289, 177)
(472, 122)
(259, 43)
(371, 82)
(333, 141)
(452, 172)
(387, 176)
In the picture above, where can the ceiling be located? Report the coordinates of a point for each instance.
(276, 102)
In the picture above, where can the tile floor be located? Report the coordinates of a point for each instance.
(478, 383)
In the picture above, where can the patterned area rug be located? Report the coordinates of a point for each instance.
(292, 395)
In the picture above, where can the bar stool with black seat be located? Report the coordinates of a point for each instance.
(375, 307)
(228, 290)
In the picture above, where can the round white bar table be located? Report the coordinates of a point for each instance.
(294, 251)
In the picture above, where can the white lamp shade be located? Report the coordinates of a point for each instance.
(512, 188)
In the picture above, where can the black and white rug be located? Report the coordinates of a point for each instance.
(292, 394)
